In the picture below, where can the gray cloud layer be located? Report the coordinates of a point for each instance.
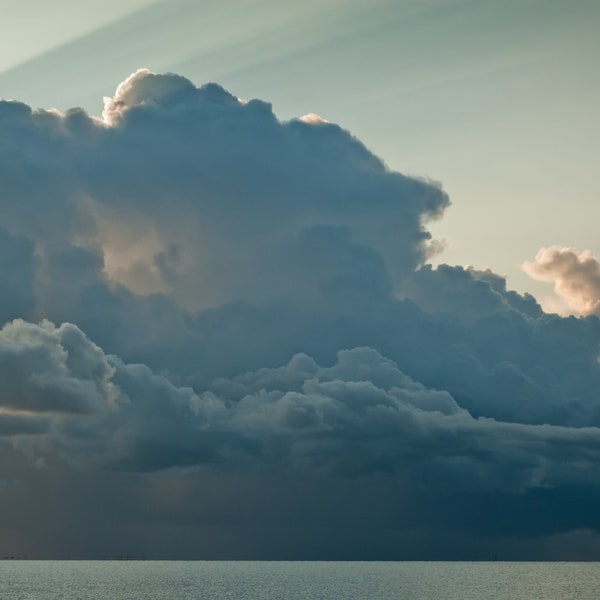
(248, 322)
(360, 416)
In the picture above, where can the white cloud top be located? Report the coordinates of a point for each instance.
(576, 277)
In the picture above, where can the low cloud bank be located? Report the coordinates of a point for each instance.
(360, 416)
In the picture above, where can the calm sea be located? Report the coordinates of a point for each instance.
(130, 580)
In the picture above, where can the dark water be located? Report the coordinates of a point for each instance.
(48, 580)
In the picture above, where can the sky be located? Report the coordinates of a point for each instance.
(299, 281)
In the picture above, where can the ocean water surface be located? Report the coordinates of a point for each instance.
(133, 580)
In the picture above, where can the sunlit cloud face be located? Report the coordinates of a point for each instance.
(313, 119)
(247, 193)
(130, 258)
(141, 88)
(576, 277)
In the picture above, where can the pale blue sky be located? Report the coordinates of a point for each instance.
(496, 100)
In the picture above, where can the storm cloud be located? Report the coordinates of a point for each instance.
(217, 322)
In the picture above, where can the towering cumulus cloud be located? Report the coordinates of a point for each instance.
(222, 339)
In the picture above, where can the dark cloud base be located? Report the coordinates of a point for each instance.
(222, 339)
(169, 516)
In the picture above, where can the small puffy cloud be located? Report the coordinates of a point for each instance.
(576, 277)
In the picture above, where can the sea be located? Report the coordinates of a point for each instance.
(214, 580)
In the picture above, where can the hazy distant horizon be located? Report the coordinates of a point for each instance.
(214, 580)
